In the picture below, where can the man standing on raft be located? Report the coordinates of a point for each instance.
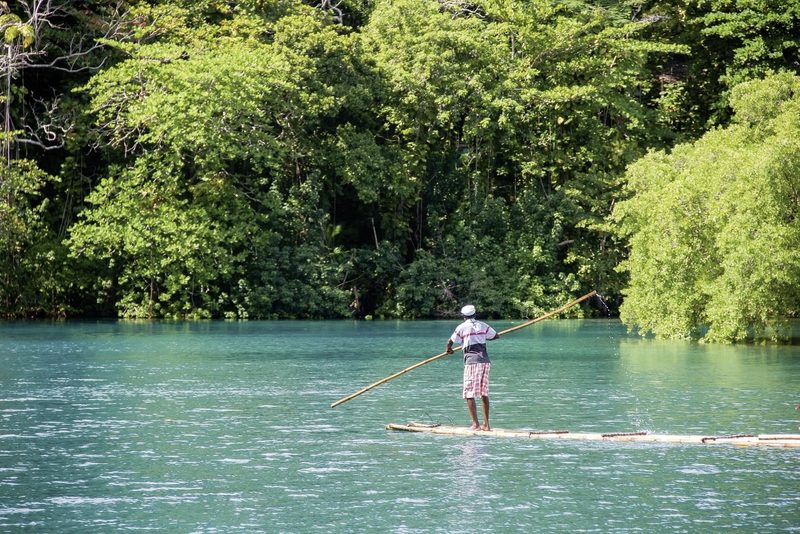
(473, 335)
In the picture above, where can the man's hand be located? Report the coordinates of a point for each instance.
(449, 348)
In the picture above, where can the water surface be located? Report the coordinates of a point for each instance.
(226, 427)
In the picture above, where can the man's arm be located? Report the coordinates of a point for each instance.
(449, 348)
(496, 335)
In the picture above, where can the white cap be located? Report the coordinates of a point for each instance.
(468, 310)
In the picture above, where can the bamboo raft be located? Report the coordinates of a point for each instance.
(739, 440)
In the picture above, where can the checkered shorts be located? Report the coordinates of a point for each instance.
(476, 380)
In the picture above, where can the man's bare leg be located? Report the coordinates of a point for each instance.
(485, 400)
(473, 414)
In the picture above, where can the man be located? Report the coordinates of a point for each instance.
(473, 335)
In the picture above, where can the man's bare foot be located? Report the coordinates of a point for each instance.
(485, 427)
(474, 427)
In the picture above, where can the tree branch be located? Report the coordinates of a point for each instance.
(25, 48)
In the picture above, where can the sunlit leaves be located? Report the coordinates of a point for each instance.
(763, 35)
(714, 228)
(279, 158)
(217, 126)
(26, 258)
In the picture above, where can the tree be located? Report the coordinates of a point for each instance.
(730, 41)
(33, 38)
(529, 109)
(753, 38)
(22, 227)
(42, 37)
(214, 138)
(326, 158)
(713, 226)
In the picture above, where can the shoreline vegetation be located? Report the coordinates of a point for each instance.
(284, 159)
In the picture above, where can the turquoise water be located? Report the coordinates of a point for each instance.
(227, 427)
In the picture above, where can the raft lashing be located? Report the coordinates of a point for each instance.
(739, 440)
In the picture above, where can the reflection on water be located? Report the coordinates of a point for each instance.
(467, 466)
(711, 388)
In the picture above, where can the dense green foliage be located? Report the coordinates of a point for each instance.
(715, 226)
(395, 158)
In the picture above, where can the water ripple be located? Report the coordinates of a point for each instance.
(227, 428)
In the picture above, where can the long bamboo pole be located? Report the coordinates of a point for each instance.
(443, 354)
